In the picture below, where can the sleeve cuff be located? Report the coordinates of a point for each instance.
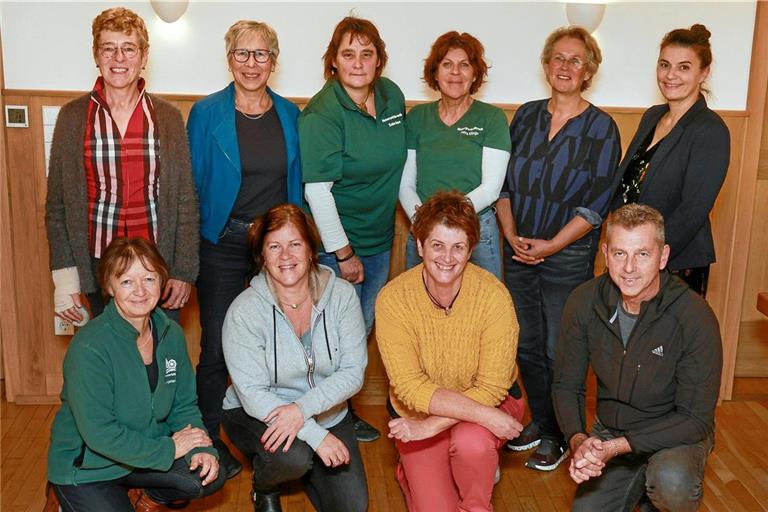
(590, 216)
(312, 434)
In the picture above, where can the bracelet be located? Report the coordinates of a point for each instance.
(345, 258)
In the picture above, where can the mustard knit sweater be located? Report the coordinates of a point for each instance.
(471, 350)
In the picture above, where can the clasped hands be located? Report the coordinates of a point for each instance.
(590, 455)
(531, 251)
(189, 438)
(284, 424)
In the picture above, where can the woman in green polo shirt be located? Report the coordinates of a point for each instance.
(457, 143)
(352, 147)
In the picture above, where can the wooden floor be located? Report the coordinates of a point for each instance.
(736, 476)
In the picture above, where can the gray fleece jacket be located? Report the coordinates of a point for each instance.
(269, 366)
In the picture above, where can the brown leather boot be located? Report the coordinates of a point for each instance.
(51, 500)
(145, 504)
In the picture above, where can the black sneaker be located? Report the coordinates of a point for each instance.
(547, 456)
(528, 438)
(365, 432)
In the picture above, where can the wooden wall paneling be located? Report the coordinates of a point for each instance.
(738, 243)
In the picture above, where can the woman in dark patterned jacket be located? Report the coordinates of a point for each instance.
(558, 188)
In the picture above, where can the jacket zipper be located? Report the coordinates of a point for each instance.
(634, 381)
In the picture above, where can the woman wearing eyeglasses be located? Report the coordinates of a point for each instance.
(558, 188)
(105, 178)
(245, 160)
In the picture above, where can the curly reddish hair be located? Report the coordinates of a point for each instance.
(120, 255)
(451, 209)
(119, 19)
(356, 28)
(277, 217)
(464, 41)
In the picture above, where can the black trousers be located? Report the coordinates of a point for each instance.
(340, 489)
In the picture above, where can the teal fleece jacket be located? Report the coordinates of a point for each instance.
(110, 423)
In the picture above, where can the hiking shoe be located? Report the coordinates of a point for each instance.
(547, 456)
(528, 438)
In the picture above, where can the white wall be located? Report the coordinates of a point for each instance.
(47, 45)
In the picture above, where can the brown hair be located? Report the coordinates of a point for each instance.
(594, 55)
(695, 38)
(633, 215)
(451, 209)
(119, 19)
(445, 43)
(356, 28)
(120, 255)
(277, 217)
(248, 27)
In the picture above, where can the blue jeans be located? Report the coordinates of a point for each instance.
(539, 293)
(225, 269)
(340, 489)
(672, 478)
(376, 268)
(178, 483)
(486, 255)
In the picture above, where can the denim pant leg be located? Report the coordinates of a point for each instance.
(344, 488)
(539, 293)
(178, 483)
(675, 476)
(94, 497)
(224, 270)
(376, 268)
(412, 257)
(487, 253)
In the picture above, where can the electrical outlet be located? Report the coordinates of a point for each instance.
(62, 328)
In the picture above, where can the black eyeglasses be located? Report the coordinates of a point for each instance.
(242, 55)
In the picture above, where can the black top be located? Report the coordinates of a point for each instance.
(152, 369)
(263, 165)
(637, 169)
(684, 178)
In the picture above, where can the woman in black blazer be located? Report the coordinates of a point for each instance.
(678, 158)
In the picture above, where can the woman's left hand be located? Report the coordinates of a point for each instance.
(209, 466)
(284, 423)
(535, 250)
(176, 294)
(406, 429)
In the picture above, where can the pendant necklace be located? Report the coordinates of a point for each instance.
(435, 302)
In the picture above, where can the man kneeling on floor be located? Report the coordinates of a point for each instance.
(654, 346)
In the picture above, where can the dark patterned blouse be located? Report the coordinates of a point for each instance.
(550, 182)
(637, 169)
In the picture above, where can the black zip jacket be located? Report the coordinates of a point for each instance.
(662, 390)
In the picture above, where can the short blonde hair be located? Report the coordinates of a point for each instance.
(249, 27)
(633, 215)
(594, 55)
(119, 19)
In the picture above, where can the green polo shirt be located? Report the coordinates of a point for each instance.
(450, 157)
(362, 155)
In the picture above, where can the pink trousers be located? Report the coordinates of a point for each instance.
(454, 470)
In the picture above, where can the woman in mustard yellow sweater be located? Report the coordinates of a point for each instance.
(447, 333)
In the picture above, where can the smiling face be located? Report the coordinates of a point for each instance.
(355, 63)
(120, 71)
(679, 74)
(566, 70)
(135, 292)
(633, 258)
(445, 252)
(250, 76)
(455, 74)
(286, 256)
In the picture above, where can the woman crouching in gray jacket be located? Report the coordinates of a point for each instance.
(294, 343)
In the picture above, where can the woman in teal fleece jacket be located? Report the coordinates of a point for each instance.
(129, 416)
